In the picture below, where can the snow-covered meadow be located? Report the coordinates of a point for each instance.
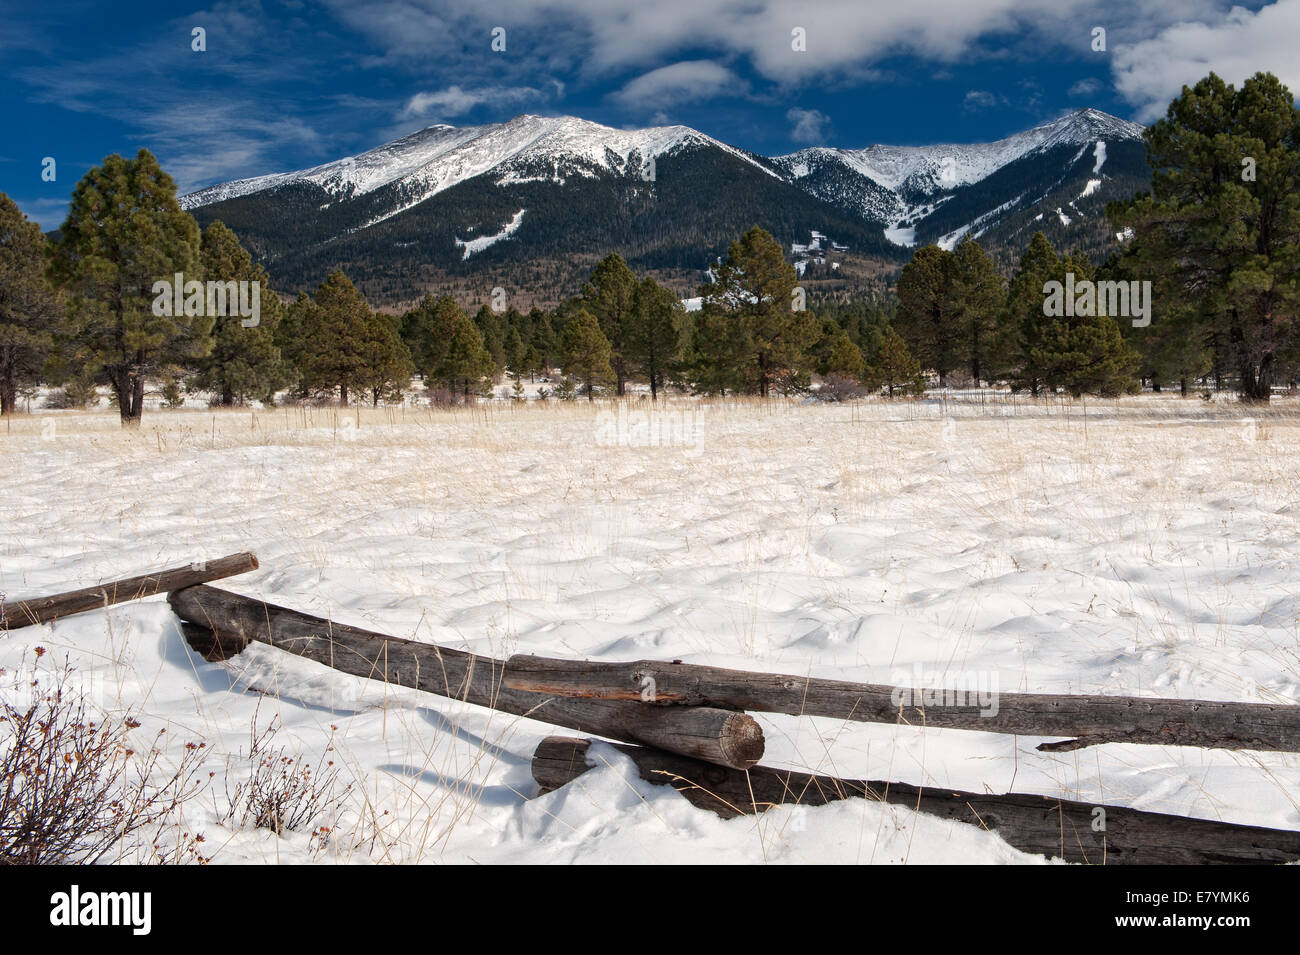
(1149, 546)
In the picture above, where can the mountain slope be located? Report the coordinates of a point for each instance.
(532, 202)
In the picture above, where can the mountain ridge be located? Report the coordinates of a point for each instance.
(558, 190)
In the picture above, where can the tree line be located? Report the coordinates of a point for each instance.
(1217, 240)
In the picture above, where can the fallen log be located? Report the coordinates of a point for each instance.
(25, 613)
(715, 735)
(1086, 720)
(1041, 825)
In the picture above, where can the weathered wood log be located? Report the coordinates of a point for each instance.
(715, 735)
(1042, 825)
(25, 613)
(1087, 720)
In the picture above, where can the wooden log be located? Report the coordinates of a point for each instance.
(1086, 720)
(1041, 825)
(715, 735)
(25, 613)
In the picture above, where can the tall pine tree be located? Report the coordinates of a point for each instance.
(30, 311)
(125, 232)
(245, 361)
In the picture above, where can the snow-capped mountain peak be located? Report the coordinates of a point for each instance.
(439, 157)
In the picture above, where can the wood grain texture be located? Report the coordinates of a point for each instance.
(1041, 825)
(25, 613)
(1085, 720)
(715, 735)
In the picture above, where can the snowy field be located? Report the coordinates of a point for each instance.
(1144, 547)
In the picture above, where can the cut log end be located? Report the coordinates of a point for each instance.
(742, 741)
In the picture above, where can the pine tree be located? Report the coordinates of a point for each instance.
(1082, 353)
(845, 358)
(333, 351)
(514, 349)
(895, 368)
(388, 368)
(608, 295)
(30, 310)
(586, 352)
(532, 362)
(717, 361)
(426, 330)
(1024, 321)
(754, 289)
(494, 337)
(978, 295)
(244, 362)
(927, 316)
(125, 232)
(545, 341)
(1221, 226)
(653, 332)
(466, 364)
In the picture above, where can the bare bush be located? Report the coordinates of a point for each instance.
(74, 787)
(284, 793)
(840, 388)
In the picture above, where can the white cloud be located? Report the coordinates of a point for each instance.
(976, 100)
(683, 82)
(455, 101)
(809, 125)
(1236, 45)
(1088, 86)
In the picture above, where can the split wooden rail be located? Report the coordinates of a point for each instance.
(685, 725)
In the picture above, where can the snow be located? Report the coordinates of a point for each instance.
(899, 235)
(439, 157)
(1092, 186)
(1099, 155)
(961, 535)
(471, 246)
(1065, 220)
(941, 168)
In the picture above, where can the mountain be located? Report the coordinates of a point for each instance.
(530, 204)
(1056, 177)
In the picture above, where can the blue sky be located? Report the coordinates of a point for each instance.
(285, 84)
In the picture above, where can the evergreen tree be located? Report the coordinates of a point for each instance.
(466, 365)
(718, 358)
(845, 358)
(532, 362)
(244, 362)
(1221, 225)
(333, 351)
(652, 338)
(494, 337)
(1082, 353)
(426, 330)
(754, 289)
(125, 232)
(545, 341)
(978, 296)
(388, 367)
(609, 296)
(895, 368)
(586, 352)
(927, 315)
(30, 310)
(1025, 322)
(514, 349)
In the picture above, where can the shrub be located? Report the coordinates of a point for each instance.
(74, 787)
